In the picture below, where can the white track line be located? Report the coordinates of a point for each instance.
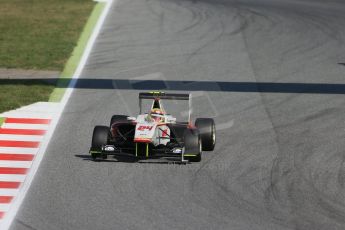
(27, 114)
(5, 224)
(12, 137)
(38, 109)
(9, 192)
(15, 150)
(12, 177)
(15, 164)
(24, 126)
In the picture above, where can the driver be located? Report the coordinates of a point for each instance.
(156, 115)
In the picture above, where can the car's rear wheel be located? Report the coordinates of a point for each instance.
(192, 145)
(118, 118)
(207, 129)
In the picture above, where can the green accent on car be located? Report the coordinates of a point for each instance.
(95, 152)
(147, 150)
(190, 155)
(73, 61)
(157, 93)
(2, 119)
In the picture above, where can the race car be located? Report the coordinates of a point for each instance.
(155, 134)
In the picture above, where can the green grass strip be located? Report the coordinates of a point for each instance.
(2, 119)
(40, 34)
(20, 92)
(75, 58)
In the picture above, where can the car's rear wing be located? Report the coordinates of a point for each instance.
(167, 96)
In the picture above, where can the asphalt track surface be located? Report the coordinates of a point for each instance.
(279, 159)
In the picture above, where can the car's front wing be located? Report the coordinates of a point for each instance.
(140, 151)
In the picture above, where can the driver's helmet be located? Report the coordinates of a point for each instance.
(157, 115)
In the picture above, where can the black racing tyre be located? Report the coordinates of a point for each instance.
(207, 129)
(118, 118)
(100, 137)
(94, 156)
(192, 145)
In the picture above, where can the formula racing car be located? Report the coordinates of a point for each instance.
(155, 134)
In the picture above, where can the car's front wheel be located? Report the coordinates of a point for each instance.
(100, 138)
(207, 129)
(192, 145)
